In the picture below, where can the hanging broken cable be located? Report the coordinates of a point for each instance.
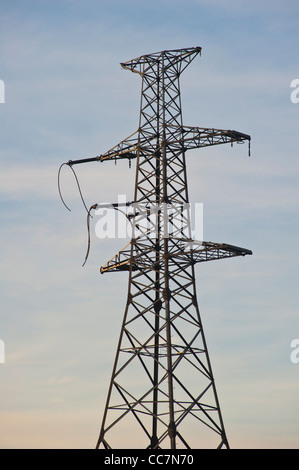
(78, 185)
(103, 206)
(94, 206)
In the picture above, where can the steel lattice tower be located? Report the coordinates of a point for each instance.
(162, 388)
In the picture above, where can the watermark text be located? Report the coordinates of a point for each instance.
(295, 352)
(133, 219)
(2, 91)
(2, 352)
(295, 93)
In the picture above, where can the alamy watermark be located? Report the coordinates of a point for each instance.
(2, 352)
(295, 353)
(2, 92)
(132, 219)
(295, 93)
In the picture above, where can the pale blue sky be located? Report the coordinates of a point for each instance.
(66, 96)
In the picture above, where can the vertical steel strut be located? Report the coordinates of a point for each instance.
(162, 391)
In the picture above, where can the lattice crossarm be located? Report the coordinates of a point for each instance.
(197, 137)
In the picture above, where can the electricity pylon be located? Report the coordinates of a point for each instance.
(162, 392)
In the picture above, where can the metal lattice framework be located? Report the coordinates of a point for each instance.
(162, 391)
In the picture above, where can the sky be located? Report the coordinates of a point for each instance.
(66, 97)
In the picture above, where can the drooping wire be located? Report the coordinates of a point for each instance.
(58, 182)
(89, 216)
(78, 185)
(94, 206)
